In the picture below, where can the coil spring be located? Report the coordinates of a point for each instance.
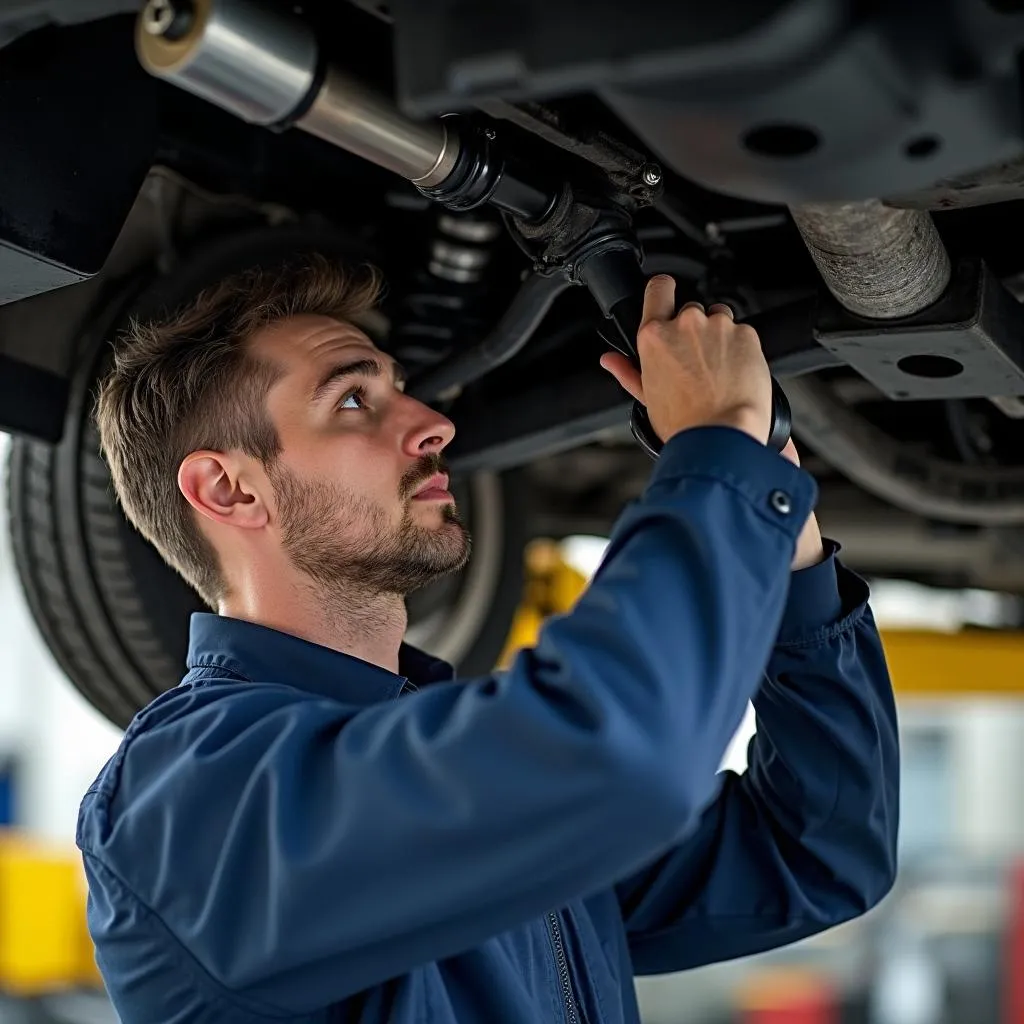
(444, 294)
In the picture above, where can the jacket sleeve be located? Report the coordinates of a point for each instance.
(300, 850)
(806, 837)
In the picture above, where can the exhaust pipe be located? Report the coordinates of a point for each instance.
(264, 66)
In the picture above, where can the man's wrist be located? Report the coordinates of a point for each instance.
(810, 550)
(742, 419)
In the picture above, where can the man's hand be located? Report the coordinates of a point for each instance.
(809, 548)
(701, 369)
(697, 368)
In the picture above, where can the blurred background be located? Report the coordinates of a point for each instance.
(946, 947)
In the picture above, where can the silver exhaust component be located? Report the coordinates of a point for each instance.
(242, 57)
(347, 114)
(878, 261)
(263, 65)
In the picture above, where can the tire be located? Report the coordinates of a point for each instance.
(116, 617)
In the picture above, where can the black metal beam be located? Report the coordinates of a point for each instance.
(500, 429)
(519, 427)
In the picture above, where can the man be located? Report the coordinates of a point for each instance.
(320, 824)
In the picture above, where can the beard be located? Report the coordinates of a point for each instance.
(342, 539)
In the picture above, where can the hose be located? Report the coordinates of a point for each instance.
(517, 325)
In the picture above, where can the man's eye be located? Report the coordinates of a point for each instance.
(353, 400)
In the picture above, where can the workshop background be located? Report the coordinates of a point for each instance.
(946, 947)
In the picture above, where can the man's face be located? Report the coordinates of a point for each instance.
(360, 485)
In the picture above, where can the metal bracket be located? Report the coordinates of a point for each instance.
(968, 344)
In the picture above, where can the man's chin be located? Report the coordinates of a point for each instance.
(445, 554)
(436, 514)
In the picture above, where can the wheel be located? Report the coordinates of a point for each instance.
(116, 617)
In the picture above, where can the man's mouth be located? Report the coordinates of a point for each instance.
(434, 489)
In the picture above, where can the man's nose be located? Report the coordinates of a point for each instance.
(430, 431)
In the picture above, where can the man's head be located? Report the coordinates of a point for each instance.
(259, 423)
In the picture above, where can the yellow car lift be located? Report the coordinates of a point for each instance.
(969, 663)
(44, 943)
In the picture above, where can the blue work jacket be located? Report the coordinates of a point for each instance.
(292, 834)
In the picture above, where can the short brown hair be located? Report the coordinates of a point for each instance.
(189, 381)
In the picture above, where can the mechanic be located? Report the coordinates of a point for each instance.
(321, 824)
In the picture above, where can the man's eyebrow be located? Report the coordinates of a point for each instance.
(363, 367)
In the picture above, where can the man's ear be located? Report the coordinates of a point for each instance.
(214, 485)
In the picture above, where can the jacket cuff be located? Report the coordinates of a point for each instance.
(824, 600)
(783, 494)
(814, 600)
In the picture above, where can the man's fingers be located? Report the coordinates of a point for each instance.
(721, 307)
(659, 298)
(625, 373)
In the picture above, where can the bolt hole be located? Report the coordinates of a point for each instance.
(781, 140)
(932, 367)
(922, 147)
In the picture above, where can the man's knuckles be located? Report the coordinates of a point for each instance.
(652, 334)
(692, 315)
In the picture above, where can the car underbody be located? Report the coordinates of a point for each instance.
(848, 176)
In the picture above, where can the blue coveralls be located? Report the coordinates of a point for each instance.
(292, 834)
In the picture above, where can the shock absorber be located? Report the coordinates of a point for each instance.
(461, 251)
(445, 295)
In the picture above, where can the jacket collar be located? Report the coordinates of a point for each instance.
(261, 654)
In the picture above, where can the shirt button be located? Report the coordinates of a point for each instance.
(781, 502)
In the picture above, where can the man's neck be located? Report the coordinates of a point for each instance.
(365, 626)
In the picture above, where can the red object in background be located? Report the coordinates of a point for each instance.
(1013, 969)
(788, 996)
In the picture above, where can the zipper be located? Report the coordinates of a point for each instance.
(571, 1013)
